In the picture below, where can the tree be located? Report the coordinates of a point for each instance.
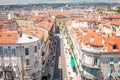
(118, 9)
(71, 46)
(101, 12)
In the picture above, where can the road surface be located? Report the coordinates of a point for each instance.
(60, 64)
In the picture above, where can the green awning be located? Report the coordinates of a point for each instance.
(95, 73)
(72, 62)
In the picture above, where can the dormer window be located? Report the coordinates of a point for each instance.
(114, 46)
(30, 37)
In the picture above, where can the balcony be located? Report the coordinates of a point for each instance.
(93, 49)
(28, 67)
(27, 77)
(91, 77)
(36, 75)
(7, 68)
(36, 63)
(91, 66)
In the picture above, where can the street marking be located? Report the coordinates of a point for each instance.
(59, 63)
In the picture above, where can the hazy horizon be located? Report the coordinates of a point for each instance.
(13, 2)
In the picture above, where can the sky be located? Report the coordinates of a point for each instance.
(9, 2)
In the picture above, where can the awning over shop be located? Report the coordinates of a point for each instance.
(72, 63)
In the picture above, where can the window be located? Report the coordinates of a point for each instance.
(111, 61)
(27, 62)
(1, 74)
(119, 61)
(5, 52)
(43, 62)
(95, 61)
(26, 51)
(82, 68)
(13, 52)
(114, 46)
(110, 73)
(87, 71)
(43, 53)
(38, 46)
(36, 59)
(35, 49)
(98, 61)
(1, 50)
(30, 37)
(28, 72)
(95, 73)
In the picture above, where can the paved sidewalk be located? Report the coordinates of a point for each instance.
(70, 74)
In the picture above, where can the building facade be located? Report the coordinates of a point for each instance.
(96, 54)
(21, 56)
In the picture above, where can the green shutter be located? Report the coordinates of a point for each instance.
(95, 73)
(87, 71)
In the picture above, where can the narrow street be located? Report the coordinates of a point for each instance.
(60, 64)
(57, 70)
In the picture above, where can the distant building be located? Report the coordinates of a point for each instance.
(25, 23)
(6, 15)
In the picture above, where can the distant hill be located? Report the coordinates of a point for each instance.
(52, 5)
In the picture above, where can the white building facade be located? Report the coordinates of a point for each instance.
(22, 60)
